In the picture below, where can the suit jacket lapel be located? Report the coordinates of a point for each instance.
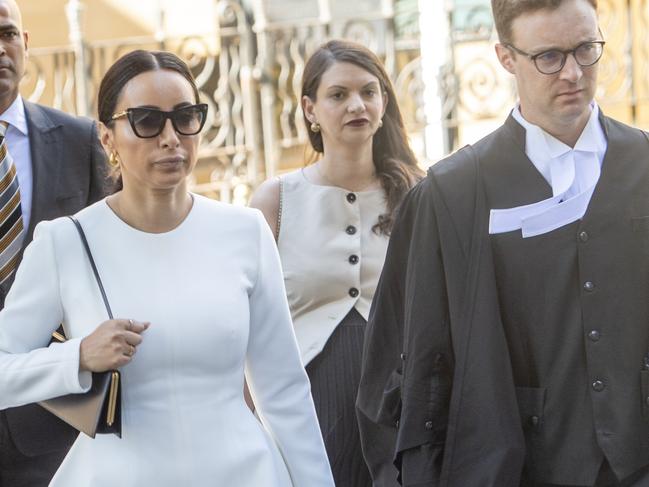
(45, 150)
(624, 169)
(510, 178)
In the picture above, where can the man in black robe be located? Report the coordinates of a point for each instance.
(508, 343)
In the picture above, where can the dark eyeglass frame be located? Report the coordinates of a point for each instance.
(171, 115)
(564, 53)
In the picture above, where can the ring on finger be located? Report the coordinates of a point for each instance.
(131, 351)
(129, 327)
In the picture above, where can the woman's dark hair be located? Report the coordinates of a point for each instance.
(394, 161)
(124, 70)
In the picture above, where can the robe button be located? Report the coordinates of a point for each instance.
(353, 292)
(351, 197)
(403, 357)
(353, 259)
(598, 386)
(428, 425)
(594, 335)
(351, 230)
(534, 420)
(583, 236)
(589, 286)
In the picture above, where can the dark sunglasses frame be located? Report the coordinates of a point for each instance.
(563, 52)
(171, 115)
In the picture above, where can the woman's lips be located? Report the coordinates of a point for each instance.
(359, 122)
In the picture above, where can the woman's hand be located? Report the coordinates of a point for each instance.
(111, 345)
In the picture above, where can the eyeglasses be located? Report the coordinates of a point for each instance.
(553, 60)
(149, 122)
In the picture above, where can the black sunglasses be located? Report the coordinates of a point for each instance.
(149, 122)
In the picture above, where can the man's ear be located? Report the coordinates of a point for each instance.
(506, 58)
(307, 108)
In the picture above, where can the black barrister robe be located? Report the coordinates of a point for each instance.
(449, 385)
(437, 392)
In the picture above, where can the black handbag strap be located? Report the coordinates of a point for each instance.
(92, 264)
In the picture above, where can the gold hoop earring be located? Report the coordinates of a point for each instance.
(315, 127)
(113, 159)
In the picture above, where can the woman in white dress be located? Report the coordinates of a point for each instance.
(197, 287)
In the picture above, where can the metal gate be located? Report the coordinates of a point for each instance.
(251, 84)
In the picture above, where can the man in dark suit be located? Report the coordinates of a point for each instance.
(61, 169)
(508, 340)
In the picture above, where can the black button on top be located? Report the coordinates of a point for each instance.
(583, 236)
(351, 197)
(594, 335)
(353, 259)
(403, 356)
(353, 292)
(534, 420)
(598, 386)
(428, 425)
(589, 286)
(351, 230)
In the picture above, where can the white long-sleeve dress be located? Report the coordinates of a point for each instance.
(212, 289)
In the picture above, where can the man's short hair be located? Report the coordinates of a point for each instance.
(506, 11)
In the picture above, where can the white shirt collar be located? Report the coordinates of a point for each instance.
(542, 148)
(15, 115)
(592, 138)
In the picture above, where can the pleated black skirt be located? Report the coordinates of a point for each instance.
(335, 375)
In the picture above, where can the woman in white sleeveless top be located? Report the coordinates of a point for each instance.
(331, 221)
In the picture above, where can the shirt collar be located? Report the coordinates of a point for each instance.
(592, 138)
(15, 116)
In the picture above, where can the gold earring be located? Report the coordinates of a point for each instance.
(380, 122)
(315, 127)
(113, 159)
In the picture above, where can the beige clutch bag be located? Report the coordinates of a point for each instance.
(99, 409)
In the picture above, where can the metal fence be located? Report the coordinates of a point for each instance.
(251, 85)
(251, 80)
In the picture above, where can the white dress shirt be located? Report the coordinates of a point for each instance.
(18, 145)
(571, 172)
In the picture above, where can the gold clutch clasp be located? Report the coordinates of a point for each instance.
(112, 398)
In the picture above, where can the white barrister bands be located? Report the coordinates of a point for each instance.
(571, 172)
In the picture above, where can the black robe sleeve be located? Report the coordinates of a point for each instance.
(407, 337)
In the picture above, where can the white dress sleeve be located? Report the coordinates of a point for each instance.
(276, 376)
(30, 371)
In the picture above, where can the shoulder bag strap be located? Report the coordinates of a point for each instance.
(92, 264)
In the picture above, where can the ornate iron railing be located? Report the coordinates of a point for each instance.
(251, 84)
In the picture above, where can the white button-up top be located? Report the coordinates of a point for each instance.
(330, 256)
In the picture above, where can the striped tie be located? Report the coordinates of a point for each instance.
(11, 216)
